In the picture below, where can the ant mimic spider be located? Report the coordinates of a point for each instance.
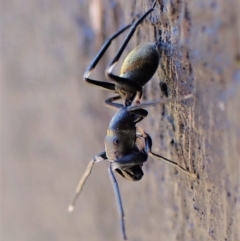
(127, 146)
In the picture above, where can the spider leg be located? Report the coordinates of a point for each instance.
(120, 80)
(105, 85)
(139, 113)
(148, 146)
(99, 157)
(109, 102)
(118, 199)
(128, 37)
(158, 102)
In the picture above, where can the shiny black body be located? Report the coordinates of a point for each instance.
(127, 147)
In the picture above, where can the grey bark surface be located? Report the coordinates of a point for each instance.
(52, 124)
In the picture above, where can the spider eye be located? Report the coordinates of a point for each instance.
(115, 141)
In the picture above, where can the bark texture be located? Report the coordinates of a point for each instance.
(52, 123)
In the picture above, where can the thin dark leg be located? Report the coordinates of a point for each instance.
(99, 157)
(158, 102)
(118, 199)
(172, 163)
(148, 146)
(101, 84)
(119, 80)
(128, 37)
(105, 85)
(109, 102)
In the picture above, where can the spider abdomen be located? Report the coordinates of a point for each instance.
(141, 63)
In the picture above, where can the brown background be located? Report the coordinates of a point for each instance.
(52, 123)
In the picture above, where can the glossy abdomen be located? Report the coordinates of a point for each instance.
(141, 63)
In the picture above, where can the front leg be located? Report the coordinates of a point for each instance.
(97, 158)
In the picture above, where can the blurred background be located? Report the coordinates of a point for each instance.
(52, 123)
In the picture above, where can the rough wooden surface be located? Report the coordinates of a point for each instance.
(52, 123)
